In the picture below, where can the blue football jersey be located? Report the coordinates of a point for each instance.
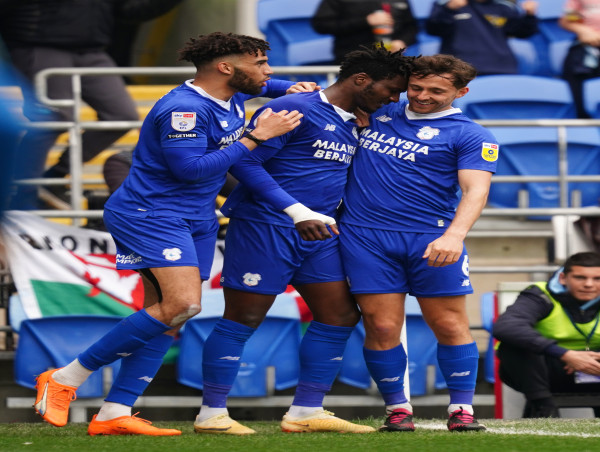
(404, 176)
(308, 164)
(187, 143)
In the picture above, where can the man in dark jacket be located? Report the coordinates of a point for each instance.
(550, 336)
(476, 31)
(352, 23)
(41, 34)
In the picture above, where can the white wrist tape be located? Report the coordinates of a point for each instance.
(299, 212)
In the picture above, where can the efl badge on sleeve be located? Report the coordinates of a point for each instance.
(183, 121)
(489, 152)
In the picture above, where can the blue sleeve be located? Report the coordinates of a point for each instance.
(473, 141)
(251, 173)
(193, 166)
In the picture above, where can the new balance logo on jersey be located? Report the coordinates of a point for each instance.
(461, 374)
(146, 379)
(390, 379)
(230, 358)
(383, 118)
(466, 283)
(330, 127)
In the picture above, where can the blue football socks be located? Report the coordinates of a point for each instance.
(221, 360)
(321, 353)
(124, 338)
(138, 370)
(387, 368)
(458, 364)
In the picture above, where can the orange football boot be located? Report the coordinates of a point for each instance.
(53, 399)
(128, 425)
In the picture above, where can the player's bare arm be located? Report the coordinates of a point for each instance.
(446, 250)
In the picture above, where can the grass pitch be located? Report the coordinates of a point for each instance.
(531, 435)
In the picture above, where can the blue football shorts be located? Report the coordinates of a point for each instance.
(383, 261)
(263, 258)
(154, 242)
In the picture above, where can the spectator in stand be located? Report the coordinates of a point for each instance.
(477, 31)
(355, 23)
(582, 62)
(549, 337)
(41, 34)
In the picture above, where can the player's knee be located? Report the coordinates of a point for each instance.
(246, 317)
(382, 328)
(186, 312)
(447, 327)
(347, 318)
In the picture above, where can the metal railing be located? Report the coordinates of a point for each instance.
(75, 128)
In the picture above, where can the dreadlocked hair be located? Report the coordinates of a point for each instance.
(461, 72)
(206, 48)
(377, 62)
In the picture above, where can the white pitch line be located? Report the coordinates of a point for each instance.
(508, 431)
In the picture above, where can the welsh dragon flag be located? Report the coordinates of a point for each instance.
(61, 269)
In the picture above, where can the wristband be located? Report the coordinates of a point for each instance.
(258, 141)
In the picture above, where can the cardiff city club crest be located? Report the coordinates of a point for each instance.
(183, 121)
(427, 133)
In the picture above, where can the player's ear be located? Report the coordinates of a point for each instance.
(461, 92)
(361, 79)
(225, 67)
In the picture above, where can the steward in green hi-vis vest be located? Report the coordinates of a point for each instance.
(561, 328)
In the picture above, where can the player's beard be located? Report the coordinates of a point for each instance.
(367, 94)
(241, 82)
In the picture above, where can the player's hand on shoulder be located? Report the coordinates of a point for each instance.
(303, 87)
(270, 124)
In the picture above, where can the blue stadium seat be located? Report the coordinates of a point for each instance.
(487, 308)
(529, 60)
(534, 151)
(421, 9)
(557, 51)
(287, 28)
(51, 342)
(591, 97)
(517, 97)
(275, 344)
(425, 45)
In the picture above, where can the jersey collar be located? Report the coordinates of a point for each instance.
(440, 114)
(226, 104)
(345, 115)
